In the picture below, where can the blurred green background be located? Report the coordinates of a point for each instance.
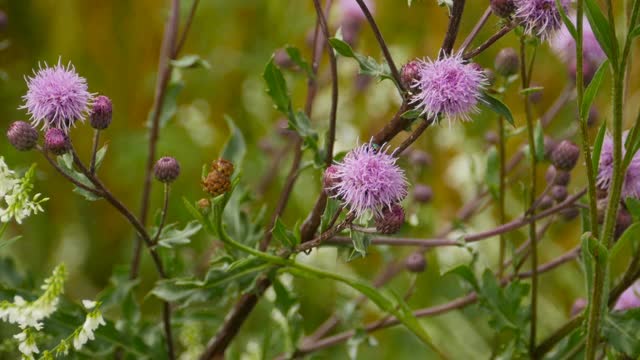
(115, 45)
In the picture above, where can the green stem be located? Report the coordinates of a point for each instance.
(3, 229)
(532, 196)
(598, 295)
(584, 128)
(501, 189)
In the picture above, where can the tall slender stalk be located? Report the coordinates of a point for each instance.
(502, 192)
(524, 73)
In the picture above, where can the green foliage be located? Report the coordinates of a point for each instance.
(172, 236)
(592, 89)
(368, 65)
(498, 107)
(235, 148)
(492, 175)
(620, 329)
(191, 61)
(604, 32)
(597, 147)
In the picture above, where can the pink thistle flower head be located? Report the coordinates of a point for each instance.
(368, 179)
(540, 17)
(631, 185)
(630, 298)
(351, 11)
(57, 97)
(450, 87)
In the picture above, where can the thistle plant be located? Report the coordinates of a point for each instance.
(477, 188)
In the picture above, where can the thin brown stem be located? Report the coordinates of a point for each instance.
(454, 26)
(490, 41)
(164, 73)
(476, 29)
(187, 27)
(163, 217)
(382, 44)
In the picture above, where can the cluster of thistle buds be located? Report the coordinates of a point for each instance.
(218, 180)
(57, 98)
(564, 157)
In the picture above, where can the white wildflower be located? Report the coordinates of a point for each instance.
(27, 345)
(88, 304)
(93, 321)
(16, 201)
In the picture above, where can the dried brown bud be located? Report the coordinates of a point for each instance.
(218, 180)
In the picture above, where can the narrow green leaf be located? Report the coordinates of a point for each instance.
(531, 90)
(170, 105)
(100, 154)
(465, 272)
(633, 205)
(565, 19)
(498, 107)
(5, 243)
(190, 62)
(411, 114)
(592, 89)
(603, 31)
(277, 87)
(635, 32)
(236, 147)
(629, 238)
(538, 137)
(296, 57)
(620, 329)
(597, 146)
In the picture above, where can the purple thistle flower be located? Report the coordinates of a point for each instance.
(449, 87)
(368, 179)
(564, 45)
(57, 97)
(631, 185)
(351, 11)
(539, 17)
(630, 298)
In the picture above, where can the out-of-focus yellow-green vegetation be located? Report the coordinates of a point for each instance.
(114, 44)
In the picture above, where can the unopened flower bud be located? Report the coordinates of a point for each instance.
(623, 221)
(390, 220)
(224, 167)
(416, 263)
(166, 169)
(503, 8)
(410, 74)
(559, 193)
(56, 141)
(535, 96)
(204, 204)
(507, 61)
(419, 158)
(565, 155)
(491, 137)
(329, 181)
(569, 214)
(101, 114)
(422, 193)
(546, 202)
(554, 176)
(22, 135)
(282, 59)
(577, 307)
(549, 145)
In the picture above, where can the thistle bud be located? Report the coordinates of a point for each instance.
(22, 136)
(101, 114)
(565, 155)
(569, 214)
(623, 221)
(419, 158)
(218, 180)
(282, 59)
(329, 181)
(546, 202)
(390, 220)
(410, 74)
(549, 145)
(166, 169)
(204, 204)
(507, 61)
(503, 8)
(56, 141)
(554, 176)
(422, 193)
(559, 193)
(416, 263)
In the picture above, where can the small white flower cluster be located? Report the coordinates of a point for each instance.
(30, 314)
(15, 195)
(27, 345)
(93, 321)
